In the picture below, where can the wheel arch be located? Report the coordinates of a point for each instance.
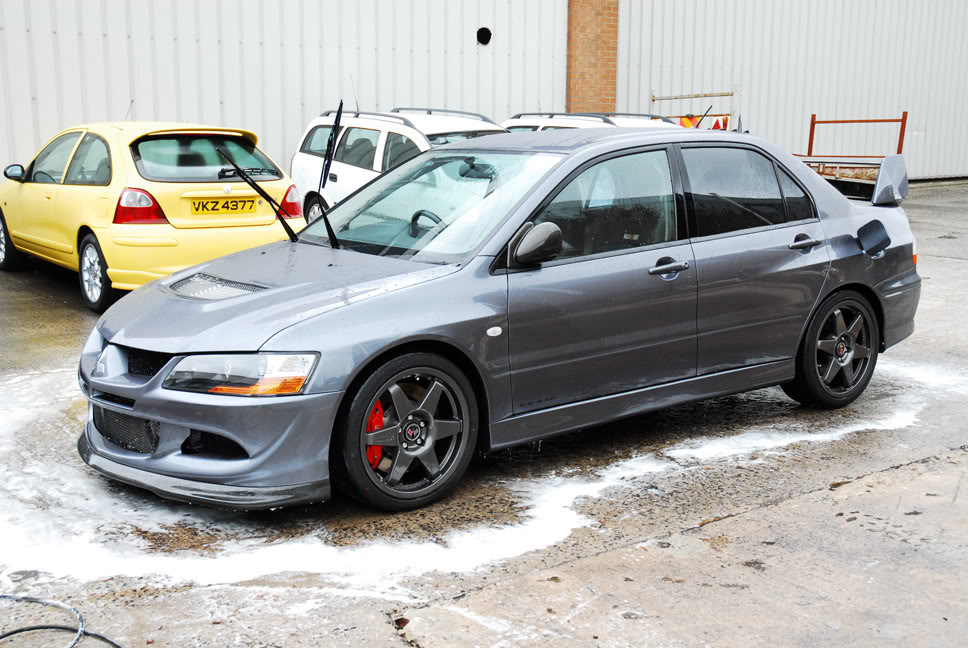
(310, 195)
(82, 231)
(869, 293)
(437, 347)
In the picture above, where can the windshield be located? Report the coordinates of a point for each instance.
(435, 208)
(194, 158)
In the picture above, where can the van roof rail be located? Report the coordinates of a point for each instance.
(430, 111)
(387, 116)
(551, 115)
(645, 115)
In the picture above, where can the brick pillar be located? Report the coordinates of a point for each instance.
(592, 55)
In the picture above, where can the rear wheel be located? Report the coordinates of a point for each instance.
(93, 275)
(408, 435)
(10, 257)
(839, 351)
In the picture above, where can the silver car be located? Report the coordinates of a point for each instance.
(491, 293)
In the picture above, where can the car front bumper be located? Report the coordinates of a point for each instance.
(279, 446)
(185, 490)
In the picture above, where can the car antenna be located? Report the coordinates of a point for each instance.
(272, 203)
(324, 174)
(355, 98)
(130, 105)
(703, 116)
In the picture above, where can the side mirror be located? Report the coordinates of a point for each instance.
(541, 243)
(14, 172)
(891, 186)
(873, 238)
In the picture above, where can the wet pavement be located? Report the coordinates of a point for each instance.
(649, 511)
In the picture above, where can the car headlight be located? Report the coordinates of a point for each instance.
(250, 374)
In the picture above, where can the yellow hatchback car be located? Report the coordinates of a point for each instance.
(124, 203)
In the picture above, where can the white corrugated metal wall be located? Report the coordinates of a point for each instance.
(268, 65)
(787, 59)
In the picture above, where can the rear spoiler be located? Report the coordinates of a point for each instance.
(200, 130)
(883, 183)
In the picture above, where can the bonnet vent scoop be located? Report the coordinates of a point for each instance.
(204, 286)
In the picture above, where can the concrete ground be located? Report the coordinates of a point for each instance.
(744, 520)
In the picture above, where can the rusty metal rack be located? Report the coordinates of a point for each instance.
(856, 169)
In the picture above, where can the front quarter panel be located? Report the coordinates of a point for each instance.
(457, 310)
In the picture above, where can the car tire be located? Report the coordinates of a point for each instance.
(92, 274)
(10, 257)
(314, 203)
(838, 353)
(401, 462)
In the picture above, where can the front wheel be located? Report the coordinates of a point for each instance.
(10, 257)
(93, 275)
(408, 435)
(839, 351)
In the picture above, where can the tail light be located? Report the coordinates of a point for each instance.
(290, 204)
(914, 250)
(138, 207)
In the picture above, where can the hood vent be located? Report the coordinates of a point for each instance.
(204, 286)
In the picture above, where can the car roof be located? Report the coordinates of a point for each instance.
(132, 130)
(575, 139)
(432, 124)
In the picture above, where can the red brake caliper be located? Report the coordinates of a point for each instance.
(375, 422)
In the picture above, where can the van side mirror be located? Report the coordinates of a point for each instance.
(14, 172)
(873, 238)
(541, 243)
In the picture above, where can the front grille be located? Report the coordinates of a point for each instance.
(146, 363)
(213, 445)
(126, 431)
(205, 286)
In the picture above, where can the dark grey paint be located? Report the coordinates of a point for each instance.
(580, 342)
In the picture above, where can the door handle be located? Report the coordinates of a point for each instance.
(804, 243)
(332, 177)
(669, 268)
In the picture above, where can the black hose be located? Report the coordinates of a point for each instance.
(79, 632)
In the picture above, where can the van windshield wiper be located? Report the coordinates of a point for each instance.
(228, 173)
(239, 171)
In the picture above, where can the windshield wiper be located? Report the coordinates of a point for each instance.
(239, 171)
(228, 173)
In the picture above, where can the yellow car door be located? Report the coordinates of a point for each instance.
(35, 222)
(86, 196)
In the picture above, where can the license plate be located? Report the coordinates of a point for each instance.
(224, 206)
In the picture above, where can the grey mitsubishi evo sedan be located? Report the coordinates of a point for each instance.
(490, 293)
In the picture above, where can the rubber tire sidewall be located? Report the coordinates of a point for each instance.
(13, 259)
(807, 387)
(107, 295)
(347, 466)
(315, 200)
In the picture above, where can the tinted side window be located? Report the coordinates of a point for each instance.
(91, 164)
(797, 203)
(621, 203)
(49, 165)
(732, 189)
(358, 147)
(316, 141)
(398, 150)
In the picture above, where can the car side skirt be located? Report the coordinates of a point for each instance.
(533, 426)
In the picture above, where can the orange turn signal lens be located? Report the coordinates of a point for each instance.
(275, 386)
(915, 259)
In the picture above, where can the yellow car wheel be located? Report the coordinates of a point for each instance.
(92, 272)
(10, 257)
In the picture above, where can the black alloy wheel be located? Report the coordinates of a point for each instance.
(409, 435)
(837, 357)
